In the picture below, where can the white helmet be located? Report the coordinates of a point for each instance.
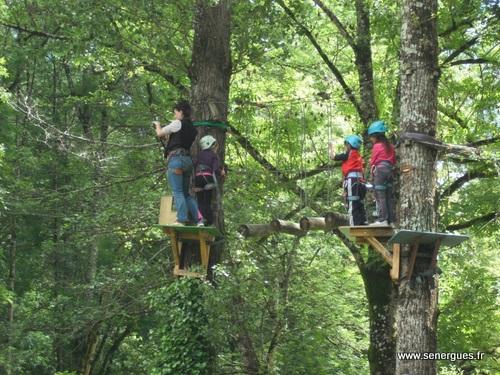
(207, 142)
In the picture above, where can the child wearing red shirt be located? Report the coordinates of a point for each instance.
(382, 163)
(354, 186)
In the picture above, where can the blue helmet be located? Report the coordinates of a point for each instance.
(354, 140)
(377, 127)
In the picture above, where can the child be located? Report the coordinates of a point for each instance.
(354, 187)
(207, 168)
(382, 163)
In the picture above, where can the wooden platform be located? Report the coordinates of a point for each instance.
(204, 235)
(387, 243)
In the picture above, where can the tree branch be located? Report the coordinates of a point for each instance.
(338, 75)
(461, 49)
(483, 142)
(478, 220)
(473, 61)
(313, 172)
(432, 142)
(153, 68)
(356, 253)
(459, 182)
(34, 32)
(348, 37)
(456, 25)
(452, 115)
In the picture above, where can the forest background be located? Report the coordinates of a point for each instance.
(86, 277)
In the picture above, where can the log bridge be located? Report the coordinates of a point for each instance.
(385, 240)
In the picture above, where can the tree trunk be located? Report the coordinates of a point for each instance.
(210, 74)
(364, 65)
(11, 287)
(416, 306)
(380, 293)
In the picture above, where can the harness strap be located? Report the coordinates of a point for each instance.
(354, 175)
(383, 186)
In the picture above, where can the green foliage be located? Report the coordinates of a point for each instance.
(81, 176)
(180, 341)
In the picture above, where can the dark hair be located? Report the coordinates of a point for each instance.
(380, 137)
(185, 107)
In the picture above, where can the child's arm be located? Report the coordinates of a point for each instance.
(341, 157)
(337, 157)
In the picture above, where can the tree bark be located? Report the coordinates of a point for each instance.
(380, 293)
(11, 287)
(416, 305)
(210, 74)
(363, 53)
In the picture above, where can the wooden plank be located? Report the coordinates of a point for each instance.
(178, 272)
(371, 231)
(192, 229)
(396, 255)
(367, 231)
(167, 211)
(380, 249)
(405, 236)
(204, 254)
(175, 248)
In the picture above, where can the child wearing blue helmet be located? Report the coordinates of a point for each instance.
(382, 163)
(354, 183)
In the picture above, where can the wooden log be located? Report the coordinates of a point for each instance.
(256, 230)
(334, 220)
(288, 227)
(312, 223)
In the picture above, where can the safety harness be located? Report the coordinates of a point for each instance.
(204, 170)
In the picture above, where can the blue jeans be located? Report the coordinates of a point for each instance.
(179, 184)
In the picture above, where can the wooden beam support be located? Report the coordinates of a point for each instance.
(176, 236)
(175, 246)
(396, 256)
(381, 249)
(204, 253)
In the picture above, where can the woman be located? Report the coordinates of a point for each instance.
(382, 163)
(180, 134)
